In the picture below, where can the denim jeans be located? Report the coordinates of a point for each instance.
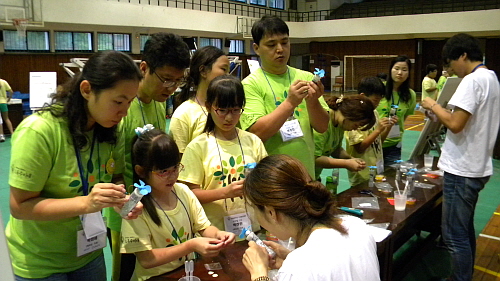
(460, 198)
(391, 154)
(93, 271)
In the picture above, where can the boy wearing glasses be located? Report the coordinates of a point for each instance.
(164, 61)
(283, 105)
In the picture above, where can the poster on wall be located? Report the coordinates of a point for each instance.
(42, 86)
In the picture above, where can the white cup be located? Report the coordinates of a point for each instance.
(428, 160)
(191, 278)
(400, 200)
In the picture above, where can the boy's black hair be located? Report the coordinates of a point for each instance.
(430, 68)
(404, 88)
(268, 25)
(224, 91)
(382, 75)
(165, 49)
(458, 45)
(371, 86)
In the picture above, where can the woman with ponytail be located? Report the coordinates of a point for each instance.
(288, 203)
(63, 173)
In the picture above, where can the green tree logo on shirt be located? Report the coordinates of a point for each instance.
(298, 109)
(230, 171)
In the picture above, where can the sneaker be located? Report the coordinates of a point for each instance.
(2, 138)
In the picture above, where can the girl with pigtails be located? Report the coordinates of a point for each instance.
(289, 203)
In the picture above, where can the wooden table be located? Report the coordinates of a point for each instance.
(424, 215)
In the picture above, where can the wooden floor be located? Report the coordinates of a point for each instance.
(487, 265)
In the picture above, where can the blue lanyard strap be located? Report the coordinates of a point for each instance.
(477, 66)
(84, 178)
(289, 79)
(144, 117)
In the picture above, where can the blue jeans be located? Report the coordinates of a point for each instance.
(391, 154)
(93, 271)
(460, 198)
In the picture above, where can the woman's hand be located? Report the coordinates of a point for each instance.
(105, 195)
(208, 247)
(256, 260)
(234, 189)
(281, 254)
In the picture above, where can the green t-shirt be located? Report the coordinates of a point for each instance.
(139, 114)
(325, 144)
(43, 160)
(405, 109)
(264, 92)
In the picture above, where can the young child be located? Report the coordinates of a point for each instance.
(164, 235)
(429, 85)
(367, 145)
(215, 160)
(347, 113)
(190, 117)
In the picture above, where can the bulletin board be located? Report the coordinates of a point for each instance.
(430, 133)
(42, 86)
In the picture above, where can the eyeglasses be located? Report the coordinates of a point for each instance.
(170, 83)
(175, 170)
(225, 111)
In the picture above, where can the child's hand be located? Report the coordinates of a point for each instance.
(136, 211)
(226, 237)
(355, 164)
(208, 247)
(384, 123)
(234, 189)
(394, 120)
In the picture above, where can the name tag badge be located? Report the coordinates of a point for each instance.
(291, 130)
(85, 245)
(380, 166)
(235, 223)
(394, 132)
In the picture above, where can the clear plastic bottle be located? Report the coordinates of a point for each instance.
(410, 178)
(398, 169)
(331, 185)
(373, 172)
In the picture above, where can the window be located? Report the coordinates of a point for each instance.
(73, 41)
(277, 4)
(258, 2)
(34, 41)
(113, 41)
(216, 42)
(143, 38)
(237, 47)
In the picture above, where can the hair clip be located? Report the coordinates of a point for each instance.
(340, 99)
(361, 101)
(148, 127)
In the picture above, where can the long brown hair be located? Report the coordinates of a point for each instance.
(282, 182)
(354, 108)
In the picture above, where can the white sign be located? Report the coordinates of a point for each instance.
(5, 263)
(42, 86)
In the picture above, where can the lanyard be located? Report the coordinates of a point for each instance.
(142, 112)
(392, 99)
(477, 66)
(220, 157)
(174, 231)
(85, 178)
(289, 79)
(198, 102)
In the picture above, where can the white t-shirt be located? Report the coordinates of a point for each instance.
(328, 255)
(468, 153)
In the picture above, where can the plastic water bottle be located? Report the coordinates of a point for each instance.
(398, 169)
(410, 178)
(331, 185)
(373, 171)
